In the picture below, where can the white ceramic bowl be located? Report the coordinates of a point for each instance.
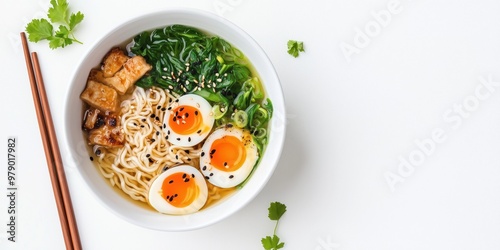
(123, 206)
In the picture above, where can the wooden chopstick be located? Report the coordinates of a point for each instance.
(51, 148)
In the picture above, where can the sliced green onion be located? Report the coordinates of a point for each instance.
(240, 118)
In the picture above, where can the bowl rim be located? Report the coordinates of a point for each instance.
(244, 195)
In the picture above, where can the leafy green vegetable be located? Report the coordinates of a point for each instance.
(187, 60)
(276, 210)
(42, 29)
(294, 47)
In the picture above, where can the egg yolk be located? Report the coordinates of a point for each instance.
(227, 153)
(185, 120)
(179, 190)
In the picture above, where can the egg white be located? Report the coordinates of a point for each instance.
(159, 203)
(205, 111)
(227, 179)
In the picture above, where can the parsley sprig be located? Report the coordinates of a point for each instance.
(276, 210)
(295, 47)
(58, 13)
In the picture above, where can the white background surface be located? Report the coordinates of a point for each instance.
(349, 124)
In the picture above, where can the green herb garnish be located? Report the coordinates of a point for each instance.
(188, 60)
(42, 29)
(294, 47)
(276, 210)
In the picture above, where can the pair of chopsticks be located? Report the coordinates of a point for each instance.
(52, 153)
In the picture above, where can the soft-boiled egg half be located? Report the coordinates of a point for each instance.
(228, 156)
(189, 120)
(178, 190)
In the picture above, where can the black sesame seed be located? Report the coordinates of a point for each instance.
(181, 109)
(153, 140)
(178, 139)
(199, 131)
(171, 181)
(192, 175)
(148, 155)
(157, 118)
(186, 150)
(168, 196)
(165, 168)
(206, 177)
(175, 195)
(177, 157)
(163, 109)
(143, 119)
(229, 125)
(135, 124)
(157, 133)
(92, 158)
(196, 112)
(211, 174)
(174, 119)
(169, 108)
(112, 122)
(159, 107)
(202, 153)
(171, 198)
(166, 137)
(212, 152)
(186, 180)
(189, 139)
(164, 125)
(184, 175)
(186, 115)
(142, 126)
(152, 116)
(231, 176)
(225, 164)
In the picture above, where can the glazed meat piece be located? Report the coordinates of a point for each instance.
(107, 132)
(133, 69)
(92, 119)
(100, 96)
(113, 62)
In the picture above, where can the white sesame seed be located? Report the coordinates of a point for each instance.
(219, 80)
(164, 77)
(165, 69)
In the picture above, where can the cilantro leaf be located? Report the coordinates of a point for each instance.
(294, 47)
(39, 29)
(276, 210)
(59, 11)
(272, 243)
(75, 19)
(42, 29)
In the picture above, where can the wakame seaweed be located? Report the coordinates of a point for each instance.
(187, 60)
